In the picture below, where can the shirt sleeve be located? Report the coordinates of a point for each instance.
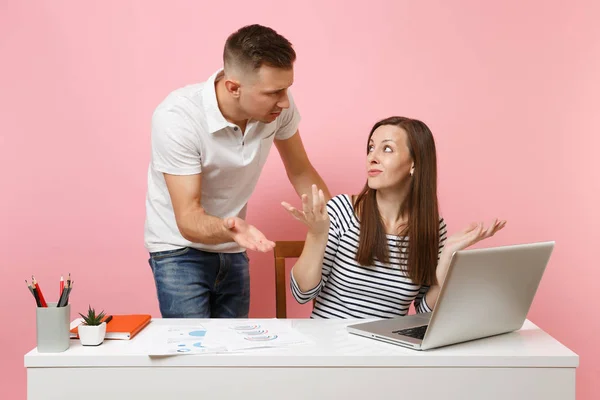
(175, 147)
(420, 302)
(288, 121)
(333, 240)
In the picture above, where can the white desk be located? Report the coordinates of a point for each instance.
(528, 364)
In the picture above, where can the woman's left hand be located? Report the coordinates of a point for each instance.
(472, 234)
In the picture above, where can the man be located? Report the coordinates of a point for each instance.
(209, 144)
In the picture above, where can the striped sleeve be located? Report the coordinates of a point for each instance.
(333, 240)
(443, 235)
(420, 302)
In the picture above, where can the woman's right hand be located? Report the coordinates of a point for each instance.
(314, 215)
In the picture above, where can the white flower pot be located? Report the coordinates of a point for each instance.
(91, 335)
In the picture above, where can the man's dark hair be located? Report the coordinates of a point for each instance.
(255, 45)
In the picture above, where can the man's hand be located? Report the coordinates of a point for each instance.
(247, 235)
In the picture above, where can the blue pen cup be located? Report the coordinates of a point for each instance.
(52, 328)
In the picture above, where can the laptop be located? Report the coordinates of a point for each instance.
(487, 292)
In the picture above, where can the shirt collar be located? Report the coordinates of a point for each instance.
(214, 118)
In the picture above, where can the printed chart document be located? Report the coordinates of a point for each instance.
(221, 336)
(257, 334)
(180, 339)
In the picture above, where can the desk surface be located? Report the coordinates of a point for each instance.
(332, 347)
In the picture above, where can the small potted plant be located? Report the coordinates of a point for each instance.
(93, 329)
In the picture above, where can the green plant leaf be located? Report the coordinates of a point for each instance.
(92, 318)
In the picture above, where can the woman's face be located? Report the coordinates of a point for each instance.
(389, 162)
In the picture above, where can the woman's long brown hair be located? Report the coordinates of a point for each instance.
(421, 205)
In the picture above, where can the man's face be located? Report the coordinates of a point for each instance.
(263, 93)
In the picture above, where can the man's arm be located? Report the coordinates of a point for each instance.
(193, 222)
(197, 226)
(300, 172)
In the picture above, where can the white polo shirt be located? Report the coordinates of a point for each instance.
(191, 136)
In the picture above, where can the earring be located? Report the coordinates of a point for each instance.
(412, 171)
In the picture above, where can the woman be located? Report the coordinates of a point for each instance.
(372, 255)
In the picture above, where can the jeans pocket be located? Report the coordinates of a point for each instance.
(159, 255)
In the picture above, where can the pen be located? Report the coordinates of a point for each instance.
(107, 320)
(62, 285)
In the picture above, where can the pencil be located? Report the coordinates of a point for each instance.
(29, 286)
(61, 299)
(69, 292)
(32, 293)
(39, 290)
(36, 295)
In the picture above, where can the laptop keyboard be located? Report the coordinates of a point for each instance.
(416, 332)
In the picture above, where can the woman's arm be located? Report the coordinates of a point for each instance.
(307, 272)
(459, 241)
(442, 269)
(319, 247)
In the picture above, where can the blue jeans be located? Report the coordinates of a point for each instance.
(192, 283)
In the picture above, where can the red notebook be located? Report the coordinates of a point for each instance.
(122, 327)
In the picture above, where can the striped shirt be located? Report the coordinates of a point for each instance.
(349, 290)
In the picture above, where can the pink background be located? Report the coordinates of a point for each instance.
(510, 90)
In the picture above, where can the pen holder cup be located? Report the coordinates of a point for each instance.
(52, 328)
